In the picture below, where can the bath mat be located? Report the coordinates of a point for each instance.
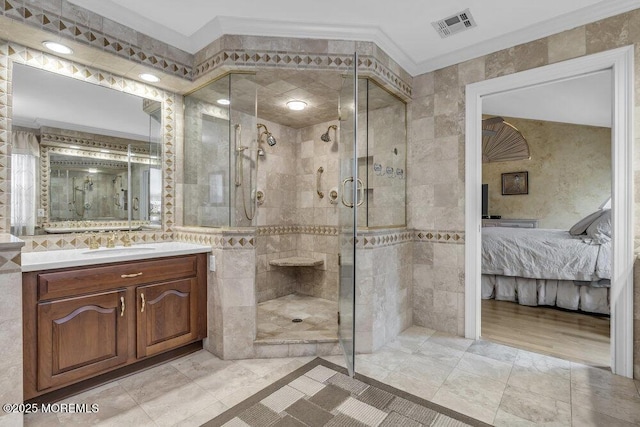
(321, 394)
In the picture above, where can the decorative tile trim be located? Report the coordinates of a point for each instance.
(66, 27)
(53, 242)
(241, 59)
(224, 240)
(10, 261)
(13, 52)
(271, 230)
(380, 238)
(439, 236)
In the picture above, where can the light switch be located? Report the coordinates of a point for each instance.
(40, 212)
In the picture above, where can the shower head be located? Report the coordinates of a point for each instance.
(271, 140)
(325, 136)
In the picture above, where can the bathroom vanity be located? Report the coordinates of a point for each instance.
(97, 311)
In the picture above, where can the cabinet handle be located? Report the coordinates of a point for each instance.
(142, 298)
(127, 276)
(122, 307)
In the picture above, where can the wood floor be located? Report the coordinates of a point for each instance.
(567, 335)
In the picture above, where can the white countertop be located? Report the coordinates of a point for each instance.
(10, 243)
(48, 260)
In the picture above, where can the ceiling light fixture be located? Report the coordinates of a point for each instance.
(296, 105)
(58, 48)
(149, 77)
(104, 151)
(223, 101)
(75, 147)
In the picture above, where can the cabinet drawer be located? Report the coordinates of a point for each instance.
(93, 279)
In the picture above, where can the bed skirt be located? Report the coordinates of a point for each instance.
(533, 292)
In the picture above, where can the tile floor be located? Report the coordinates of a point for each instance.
(319, 319)
(500, 385)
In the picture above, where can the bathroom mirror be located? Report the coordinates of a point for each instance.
(84, 157)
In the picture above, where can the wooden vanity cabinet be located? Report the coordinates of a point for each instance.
(86, 321)
(79, 337)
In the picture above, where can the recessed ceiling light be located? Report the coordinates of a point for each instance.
(296, 105)
(58, 48)
(149, 77)
(223, 101)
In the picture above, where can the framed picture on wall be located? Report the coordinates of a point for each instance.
(515, 183)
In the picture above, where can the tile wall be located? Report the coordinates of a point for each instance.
(11, 327)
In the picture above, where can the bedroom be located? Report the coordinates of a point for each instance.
(567, 128)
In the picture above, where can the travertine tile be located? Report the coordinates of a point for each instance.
(531, 379)
(485, 367)
(585, 417)
(494, 351)
(568, 44)
(544, 364)
(471, 394)
(539, 409)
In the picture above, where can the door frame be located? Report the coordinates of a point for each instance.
(620, 62)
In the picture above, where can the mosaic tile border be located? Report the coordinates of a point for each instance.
(378, 239)
(12, 52)
(439, 236)
(239, 59)
(272, 230)
(81, 240)
(84, 32)
(240, 240)
(371, 238)
(224, 240)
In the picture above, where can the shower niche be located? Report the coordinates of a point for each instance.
(251, 161)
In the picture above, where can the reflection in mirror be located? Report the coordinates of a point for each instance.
(84, 157)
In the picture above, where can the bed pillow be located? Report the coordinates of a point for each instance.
(600, 229)
(581, 226)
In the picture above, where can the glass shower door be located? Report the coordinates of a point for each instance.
(347, 213)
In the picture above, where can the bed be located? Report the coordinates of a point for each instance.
(549, 267)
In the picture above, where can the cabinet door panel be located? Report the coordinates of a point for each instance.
(167, 315)
(80, 337)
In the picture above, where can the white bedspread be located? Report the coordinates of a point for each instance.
(543, 254)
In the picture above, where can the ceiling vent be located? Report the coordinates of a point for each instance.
(454, 24)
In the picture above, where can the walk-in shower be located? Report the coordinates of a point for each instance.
(296, 231)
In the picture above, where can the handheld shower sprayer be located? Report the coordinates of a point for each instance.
(325, 136)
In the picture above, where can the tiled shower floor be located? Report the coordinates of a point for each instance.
(319, 319)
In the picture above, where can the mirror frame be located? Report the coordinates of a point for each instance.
(19, 54)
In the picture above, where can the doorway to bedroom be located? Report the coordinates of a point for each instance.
(601, 282)
(546, 165)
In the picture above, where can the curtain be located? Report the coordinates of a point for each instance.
(24, 154)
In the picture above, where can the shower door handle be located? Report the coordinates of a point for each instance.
(361, 188)
(344, 183)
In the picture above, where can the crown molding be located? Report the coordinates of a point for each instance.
(546, 28)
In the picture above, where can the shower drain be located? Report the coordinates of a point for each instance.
(297, 320)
